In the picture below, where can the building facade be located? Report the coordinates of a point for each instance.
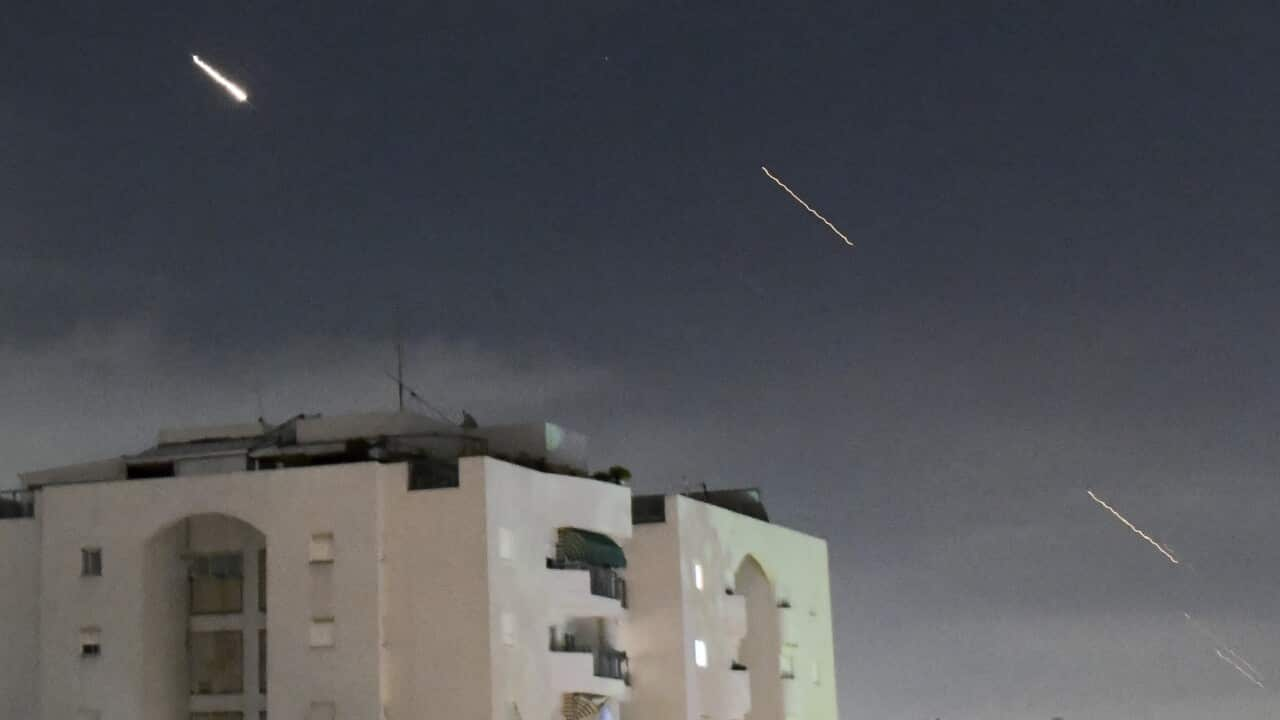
(388, 566)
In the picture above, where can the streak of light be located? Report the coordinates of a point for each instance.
(783, 185)
(1242, 671)
(1134, 528)
(1220, 642)
(236, 91)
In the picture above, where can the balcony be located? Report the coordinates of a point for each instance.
(584, 576)
(600, 582)
(733, 611)
(577, 669)
(793, 692)
(17, 504)
(794, 624)
(738, 696)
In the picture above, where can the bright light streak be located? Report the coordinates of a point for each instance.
(1242, 671)
(236, 91)
(1134, 528)
(806, 205)
(1219, 641)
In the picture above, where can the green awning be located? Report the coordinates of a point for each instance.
(591, 548)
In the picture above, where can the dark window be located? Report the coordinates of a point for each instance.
(430, 474)
(149, 470)
(262, 661)
(217, 663)
(262, 579)
(217, 584)
(91, 562)
(90, 642)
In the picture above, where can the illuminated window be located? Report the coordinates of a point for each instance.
(506, 544)
(322, 633)
(321, 549)
(508, 628)
(700, 653)
(697, 576)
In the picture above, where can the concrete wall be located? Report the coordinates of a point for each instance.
(435, 589)
(654, 633)
(794, 566)
(287, 507)
(528, 508)
(165, 598)
(19, 616)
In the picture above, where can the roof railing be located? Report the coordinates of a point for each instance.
(17, 504)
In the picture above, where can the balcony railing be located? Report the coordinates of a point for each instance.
(17, 504)
(607, 662)
(613, 664)
(605, 582)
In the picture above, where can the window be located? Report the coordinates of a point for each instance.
(700, 653)
(91, 562)
(322, 633)
(90, 642)
(262, 579)
(217, 584)
(815, 673)
(262, 661)
(217, 663)
(786, 667)
(508, 628)
(429, 474)
(697, 576)
(506, 544)
(321, 549)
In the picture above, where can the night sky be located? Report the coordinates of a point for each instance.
(1065, 277)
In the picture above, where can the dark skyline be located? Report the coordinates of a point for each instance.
(1064, 275)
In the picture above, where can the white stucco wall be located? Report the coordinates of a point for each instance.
(529, 507)
(654, 632)
(436, 606)
(719, 540)
(19, 616)
(287, 507)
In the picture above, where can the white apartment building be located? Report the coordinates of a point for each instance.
(390, 567)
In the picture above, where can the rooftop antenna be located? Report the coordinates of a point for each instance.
(399, 361)
(257, 391)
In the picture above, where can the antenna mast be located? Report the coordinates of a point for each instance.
(399, 361)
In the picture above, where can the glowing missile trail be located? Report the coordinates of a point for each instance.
(1242, 671)
(1218, 641)
(806, 205)
(236, 91)
(1134, 528)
